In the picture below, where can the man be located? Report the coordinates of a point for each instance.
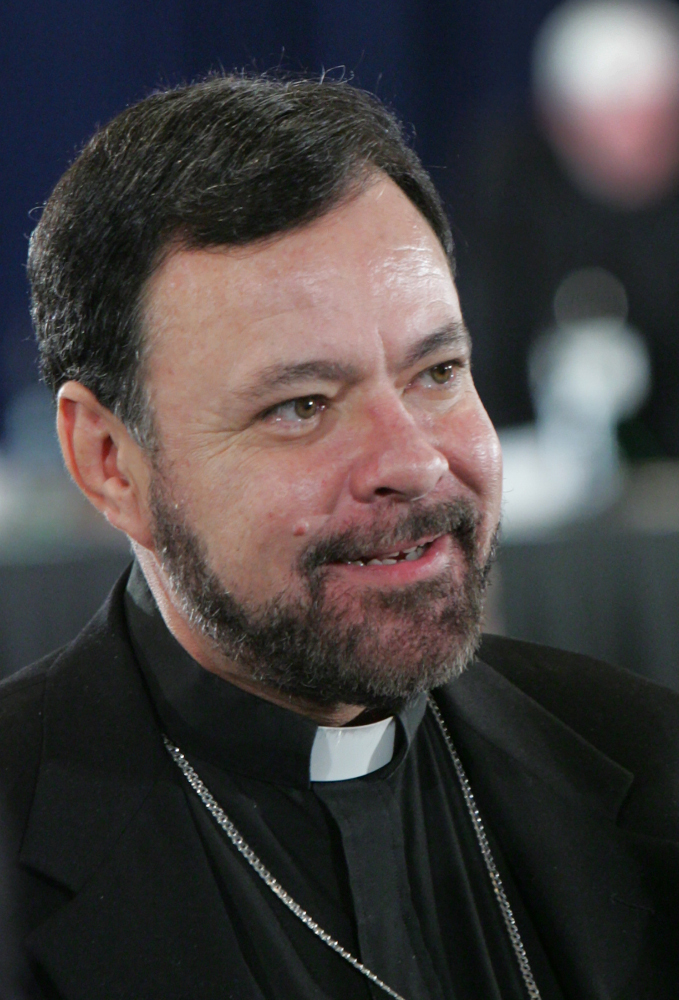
(234, 783)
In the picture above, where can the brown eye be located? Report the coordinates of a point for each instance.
(306, 407)
(442, 373)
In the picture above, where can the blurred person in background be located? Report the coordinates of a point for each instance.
(592, 187)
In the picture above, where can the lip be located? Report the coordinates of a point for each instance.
(402, 547)
(437, 558)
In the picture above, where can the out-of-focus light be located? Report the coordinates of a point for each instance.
(607, 52)
(587, 373)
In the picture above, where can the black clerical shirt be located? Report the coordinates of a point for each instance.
(387, 863)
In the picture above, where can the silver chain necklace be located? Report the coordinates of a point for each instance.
(260, 868)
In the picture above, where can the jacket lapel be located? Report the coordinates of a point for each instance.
(537, 741)
(601, 892)
(150, 921)
(110, 822)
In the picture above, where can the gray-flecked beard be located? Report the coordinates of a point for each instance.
(374, 647)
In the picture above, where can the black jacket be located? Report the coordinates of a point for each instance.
(575, 765)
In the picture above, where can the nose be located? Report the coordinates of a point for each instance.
(396, 458)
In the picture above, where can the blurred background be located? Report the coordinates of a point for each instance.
(552, 132)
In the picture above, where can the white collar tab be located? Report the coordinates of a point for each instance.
(342, 753)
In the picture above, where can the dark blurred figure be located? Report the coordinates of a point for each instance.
(592, 182)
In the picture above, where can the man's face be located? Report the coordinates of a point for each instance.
(328, 485)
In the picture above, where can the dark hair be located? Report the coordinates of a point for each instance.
(222, 162)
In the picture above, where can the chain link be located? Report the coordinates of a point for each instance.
(491, 867)
(246, 851)
(260, 868)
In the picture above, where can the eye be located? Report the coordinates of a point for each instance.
(443, 375)
(306, 407)
(297, 411)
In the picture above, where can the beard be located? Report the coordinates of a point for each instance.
(378, 648)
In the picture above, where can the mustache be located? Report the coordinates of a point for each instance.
(458, 518)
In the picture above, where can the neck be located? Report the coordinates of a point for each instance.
(323, 715)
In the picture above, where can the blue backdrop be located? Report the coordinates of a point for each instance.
(70, 64)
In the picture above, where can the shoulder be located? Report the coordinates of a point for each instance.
(563, 681)
(632, 720)
(27, 696)
(21, 727)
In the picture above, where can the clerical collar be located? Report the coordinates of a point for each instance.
(339, 754)
(243, 733)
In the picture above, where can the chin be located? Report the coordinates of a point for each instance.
(369, 646)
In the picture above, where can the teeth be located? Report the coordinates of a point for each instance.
(408, 555)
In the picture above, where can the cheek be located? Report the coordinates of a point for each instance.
(475, 458)
(257, 513)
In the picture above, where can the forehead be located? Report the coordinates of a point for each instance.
(370, 273)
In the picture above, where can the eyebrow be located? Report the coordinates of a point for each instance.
(268, 380)
(453, 334)
(276, 376)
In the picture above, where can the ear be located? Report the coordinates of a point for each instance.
(105, 461)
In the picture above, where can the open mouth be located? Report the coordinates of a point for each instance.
(391, 558)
